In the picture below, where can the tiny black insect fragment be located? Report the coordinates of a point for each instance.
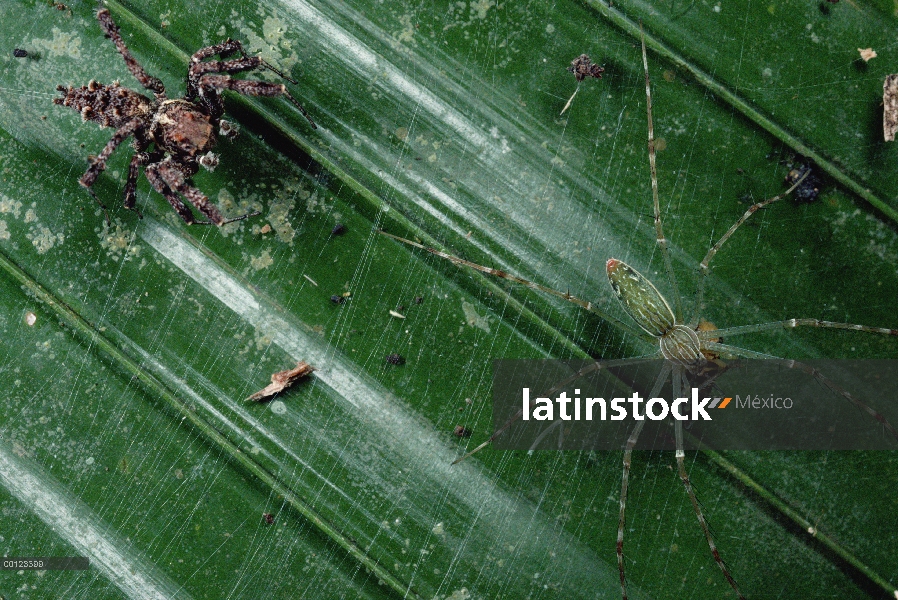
(338, 299)
(583, 67)
(419, 299)
(395, 359)
(19, 53)
(462, 432)
(339, 229)
(269, 518)
(809, 189)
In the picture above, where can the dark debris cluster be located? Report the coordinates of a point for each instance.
(583, 67)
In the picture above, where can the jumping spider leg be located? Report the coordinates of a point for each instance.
(112, 32)
(172, 138)
(201, 84)
(103, 206)
(682, 343)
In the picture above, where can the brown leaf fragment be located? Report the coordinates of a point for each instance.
(890, 107)
(281, 381)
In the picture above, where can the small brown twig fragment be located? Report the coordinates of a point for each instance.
(890, 107)
(281, 381)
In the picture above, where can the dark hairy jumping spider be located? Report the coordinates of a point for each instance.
(172, 138)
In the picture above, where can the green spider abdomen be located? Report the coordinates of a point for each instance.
(642, 300)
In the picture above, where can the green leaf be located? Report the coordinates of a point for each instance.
(125, 436)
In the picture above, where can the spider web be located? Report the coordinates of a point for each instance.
(438, 121)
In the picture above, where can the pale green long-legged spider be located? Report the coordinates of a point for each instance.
(682, 343)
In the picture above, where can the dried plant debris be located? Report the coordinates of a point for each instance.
(890, 107)
(281, 381)
(809, 189)
(867, 53)
(583, 67)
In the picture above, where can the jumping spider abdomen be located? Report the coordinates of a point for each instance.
(173, 138)
(108, 105)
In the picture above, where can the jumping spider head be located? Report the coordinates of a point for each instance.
(172, 138)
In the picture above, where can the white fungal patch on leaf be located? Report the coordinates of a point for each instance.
(473, 319)
(43, 239)
(273, 43)
(263, 261)
(10, 206)
(118, 241)
(61, 45)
